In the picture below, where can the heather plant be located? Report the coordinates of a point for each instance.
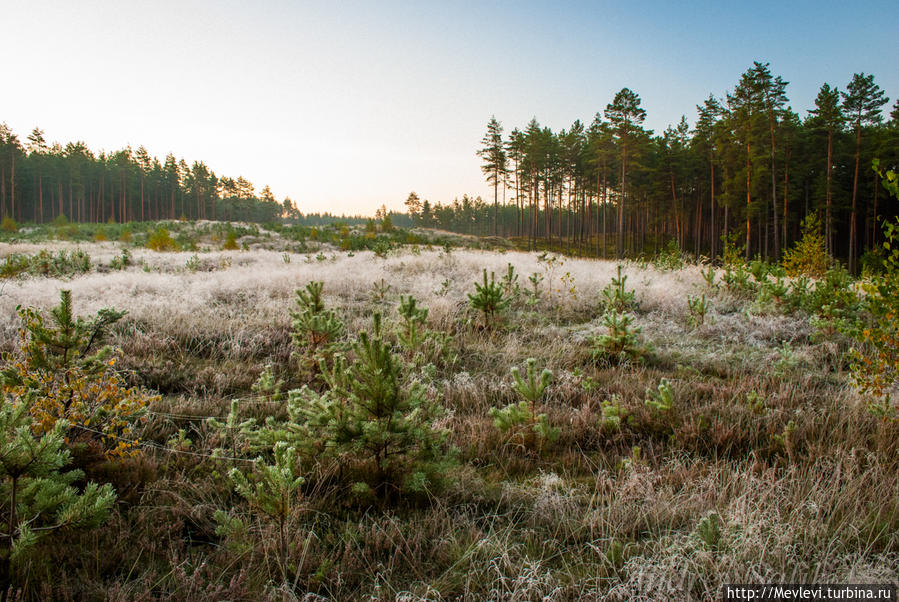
(521, 420)
(39, 497)
(74, 381)
(488, 299)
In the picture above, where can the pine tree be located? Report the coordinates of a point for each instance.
(828, 115)
(531, 388)
(272, 490)
(37, 497)
(488, 298)
(626, 115)
(375, 420)
(861, 101)
(316, 330)
(493, 153)
(74, 380)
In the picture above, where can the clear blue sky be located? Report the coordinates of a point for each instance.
(344, 106)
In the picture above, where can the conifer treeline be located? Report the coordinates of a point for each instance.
(39, 183)
(749, 167)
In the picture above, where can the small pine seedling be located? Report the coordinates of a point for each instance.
(661, 399)
(488, 298)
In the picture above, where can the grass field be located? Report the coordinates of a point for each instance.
(766, 467)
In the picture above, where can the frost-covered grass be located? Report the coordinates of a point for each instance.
(670, 506)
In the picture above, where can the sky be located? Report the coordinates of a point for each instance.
(344, 106)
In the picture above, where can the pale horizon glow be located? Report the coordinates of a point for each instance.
(344, 108)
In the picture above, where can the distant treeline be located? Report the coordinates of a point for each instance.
(749, 166)
(39, 183)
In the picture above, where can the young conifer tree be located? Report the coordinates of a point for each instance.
(36, 497)
(74, 378)
(376, 420)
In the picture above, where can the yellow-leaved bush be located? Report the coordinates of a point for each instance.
(69, 376)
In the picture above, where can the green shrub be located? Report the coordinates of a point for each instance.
(9, 225)
(231, 241)
(160, 241)
(875, 359)
(273, 492)
(809, 255)
(698, 308)
(662, 399)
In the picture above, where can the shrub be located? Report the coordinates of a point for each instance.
(698, 308)
(272, 491)
(662, 399)
(161, 240)
(809, 256)
(613, 413)
(9, 225)
(875, 361)
(731, 250)
(231, 241)
(73, 381)
(120, 262)
(410, 334)
(669, 258)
